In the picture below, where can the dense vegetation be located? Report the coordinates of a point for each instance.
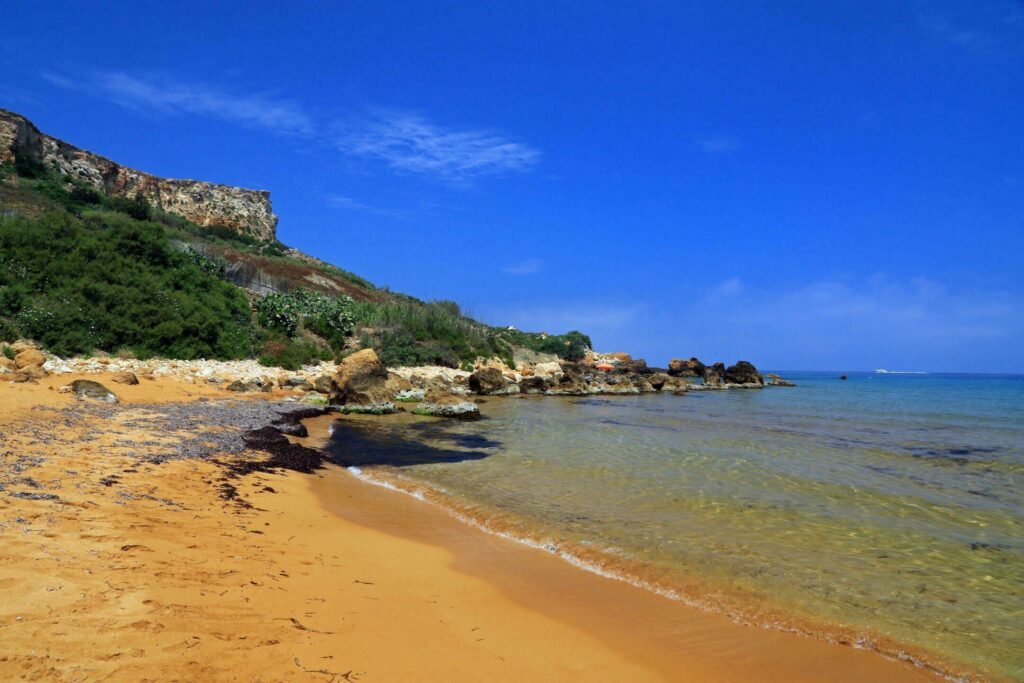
(99, 273)
(108, 281)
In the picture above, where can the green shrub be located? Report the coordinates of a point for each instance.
(291, 354)
(328, 317)
(8, 333)
(107, 281)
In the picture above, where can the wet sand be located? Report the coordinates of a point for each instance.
(141, 571)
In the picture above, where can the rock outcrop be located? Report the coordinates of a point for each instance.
(245, 211)
(363, 381)
(491, 382)
(714, 375)
(743, 372)
(677, 367)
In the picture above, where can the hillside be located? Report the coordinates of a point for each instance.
(95, 256)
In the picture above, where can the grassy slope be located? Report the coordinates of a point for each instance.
(83, 272)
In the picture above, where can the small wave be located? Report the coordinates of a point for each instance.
(612, 564)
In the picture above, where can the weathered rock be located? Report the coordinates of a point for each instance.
(29, 358)
(323, 384)
(292, 429)
(677, 385)
(410, 395)
(124, 378)
(244, 211)
(8, 363)
(713, 375)
(657, 380)
(774, 380)
(551, 371)
(573, 382)
(239, 385)
(397, 384)
(86, 388)
(22, 344)
(678, 367)
(361, 380)
(462, 410)
(743, 372)
(491, 382)
(533, 385)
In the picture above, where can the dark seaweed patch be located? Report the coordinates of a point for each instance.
(356, 445)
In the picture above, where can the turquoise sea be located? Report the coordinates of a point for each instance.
(885, 510)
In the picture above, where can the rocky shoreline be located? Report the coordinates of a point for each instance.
(360, 383)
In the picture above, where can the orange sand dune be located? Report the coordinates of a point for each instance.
(150, 575)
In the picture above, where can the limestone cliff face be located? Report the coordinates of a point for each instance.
(247, 211)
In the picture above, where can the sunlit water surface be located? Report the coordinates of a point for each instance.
(890, 507)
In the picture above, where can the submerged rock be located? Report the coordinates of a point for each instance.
(86, 388)
(463, 410)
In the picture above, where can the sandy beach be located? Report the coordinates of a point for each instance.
(115, 565)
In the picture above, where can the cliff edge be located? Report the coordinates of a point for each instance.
(245, 211)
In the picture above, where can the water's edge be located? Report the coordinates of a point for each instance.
(601, 562)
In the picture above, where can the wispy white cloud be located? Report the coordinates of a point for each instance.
(350, 204)
(727, 289)
(264, 110)
(719, 144)
(403, 142)
(410, 143)
(991, 26)
(527, 267)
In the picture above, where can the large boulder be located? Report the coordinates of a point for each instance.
(677, 367)
(124, 378)
(86, 388)
(491, 382)
(551, 371)
(29, 358)
(533, 385)
(743, 372)
(361, 380)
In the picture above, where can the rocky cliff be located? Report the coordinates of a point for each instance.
(247, 211)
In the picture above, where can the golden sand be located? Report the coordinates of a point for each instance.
(152, 576)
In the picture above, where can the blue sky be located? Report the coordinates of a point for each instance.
(804, 185)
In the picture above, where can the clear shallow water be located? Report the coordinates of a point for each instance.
(887, 507)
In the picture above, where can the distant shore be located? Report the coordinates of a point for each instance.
(147, 540)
